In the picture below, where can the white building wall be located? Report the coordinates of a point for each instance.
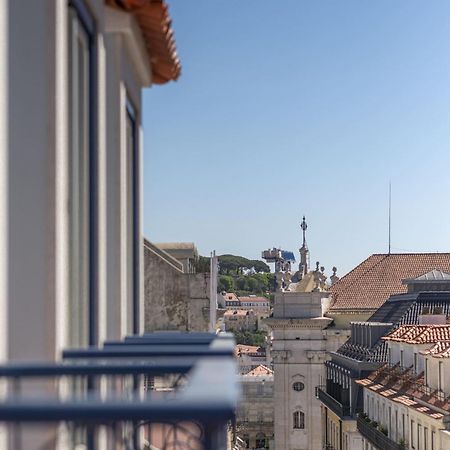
(300, 347)
(34, 167)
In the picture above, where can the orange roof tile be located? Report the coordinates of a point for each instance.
(253, 299)
(378, 277)
(238, 312)
(258, 371)
(241, 349)
(420, 334)
(439, 350)
(155, 23)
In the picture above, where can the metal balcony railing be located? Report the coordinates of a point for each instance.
(343, 411)
(376, 437)
(197, 411)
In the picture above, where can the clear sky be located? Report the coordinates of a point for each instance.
(296, 107)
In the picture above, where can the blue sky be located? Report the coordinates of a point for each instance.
(303, 107)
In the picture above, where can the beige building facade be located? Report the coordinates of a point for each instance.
(255, 413)
(302, 338)
(240, 320)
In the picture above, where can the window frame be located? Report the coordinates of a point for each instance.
(132, 116)
(86, 20)
(298, 384)
(298, 420)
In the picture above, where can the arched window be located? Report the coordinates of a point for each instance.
(298, 386)
(299, 420)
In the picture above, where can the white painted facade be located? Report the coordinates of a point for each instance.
(404, 424)
(301, 342)
(39, 313)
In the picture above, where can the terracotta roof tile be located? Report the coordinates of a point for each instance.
(230, 296)
(155, 23)
(373, 281)
(238, 312)
(420, 334)
(258, 371)
(253, 299)
(242, 349)
(439, 350)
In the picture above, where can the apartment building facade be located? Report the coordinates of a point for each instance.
(407, 400)
(425, 298)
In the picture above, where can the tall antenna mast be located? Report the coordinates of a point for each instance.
(389, 250)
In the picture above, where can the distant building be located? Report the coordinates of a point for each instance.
(250, 357)
(407, 400)
(255, 414)
(228, 300)
(260, 304)
(231, 301)
(240, 320)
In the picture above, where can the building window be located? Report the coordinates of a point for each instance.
(299, 420)
(401, 358)
(433, 440)
(298, 386)
(132, 219)
(412, 434)
(81, 175)
(415, 362)
(426, 372)
(403, 426)
(425, 438)
(440, 376)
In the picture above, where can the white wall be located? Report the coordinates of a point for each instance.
(34, 167)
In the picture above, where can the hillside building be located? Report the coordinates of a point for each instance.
(255, 413)
(251, 356)
(240, 320)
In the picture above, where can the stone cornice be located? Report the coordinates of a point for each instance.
(318, 323)
(338, 312)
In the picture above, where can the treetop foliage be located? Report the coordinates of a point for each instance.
(233, 265)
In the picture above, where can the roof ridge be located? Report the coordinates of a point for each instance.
(410, 253)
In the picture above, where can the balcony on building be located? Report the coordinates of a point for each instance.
(162, 386)
(377, 438)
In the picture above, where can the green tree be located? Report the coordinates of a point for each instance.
(257, 338)
(203, 264)
(225, 283)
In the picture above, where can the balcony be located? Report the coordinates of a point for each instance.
(343, 411)
(189, 406)
(376, 437)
